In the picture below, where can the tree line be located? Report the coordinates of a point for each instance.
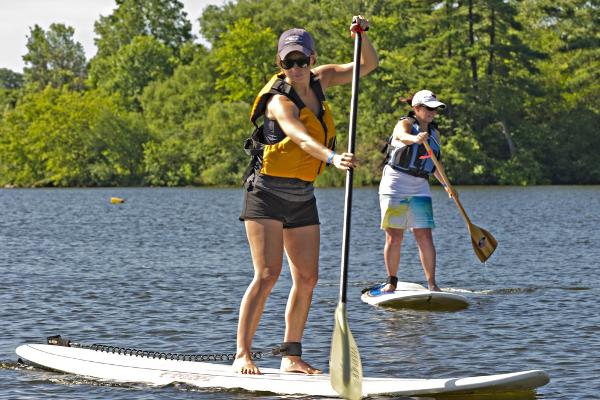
(155, 107)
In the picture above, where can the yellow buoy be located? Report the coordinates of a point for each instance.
(117, 200)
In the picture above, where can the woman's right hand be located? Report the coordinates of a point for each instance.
(421, 137)
(344, 161)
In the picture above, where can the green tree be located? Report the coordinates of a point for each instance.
(140, 42)
(58, 137)
(54, 58)
(567, 116)
(132, 68)
(10, 79)
(278, 16)
(164, 20)
(11, 84)
(207, 151)
(221, 136)
(173, 161)
(238, 79)
(172, 104)
(520, 79)
(471, 54)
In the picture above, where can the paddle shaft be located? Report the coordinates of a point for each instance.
(484, 243)
(344, 361)
(440, 169)
(350, 172)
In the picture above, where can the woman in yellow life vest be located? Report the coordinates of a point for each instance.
(279, 207)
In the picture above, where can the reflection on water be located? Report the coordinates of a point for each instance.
(166, 270)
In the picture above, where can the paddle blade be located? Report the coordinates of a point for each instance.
(483, 243)
(345, 367)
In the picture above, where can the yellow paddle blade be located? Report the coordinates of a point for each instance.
(483, 242)
(345, 368)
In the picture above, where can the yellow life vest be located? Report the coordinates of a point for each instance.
(282, 157)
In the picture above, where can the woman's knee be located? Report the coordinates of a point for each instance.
(393, 237)
(306, 281)
(423, 236)
(267, 277)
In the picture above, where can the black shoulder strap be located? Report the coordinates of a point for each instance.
(411, 116)
(282, 87)
(315, 84)
(278, 86)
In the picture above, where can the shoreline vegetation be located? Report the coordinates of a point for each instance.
(155, 108)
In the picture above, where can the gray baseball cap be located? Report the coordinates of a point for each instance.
(295, 40)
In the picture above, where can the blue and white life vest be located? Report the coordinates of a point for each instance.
(413, 159)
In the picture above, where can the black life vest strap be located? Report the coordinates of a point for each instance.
(280, 86)
(283, 88)
(315, 84)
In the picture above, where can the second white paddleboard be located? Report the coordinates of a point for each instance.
(413, 295)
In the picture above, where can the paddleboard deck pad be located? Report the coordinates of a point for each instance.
(413, 295)
(125, 365)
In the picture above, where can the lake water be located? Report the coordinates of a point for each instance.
(166, 271)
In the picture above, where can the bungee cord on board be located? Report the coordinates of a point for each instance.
(58, 340)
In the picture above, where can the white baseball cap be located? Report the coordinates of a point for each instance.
(427, 98)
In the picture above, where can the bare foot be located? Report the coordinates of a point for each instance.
(389, 288)
(245, 365)
(296, 364)
(434, 288)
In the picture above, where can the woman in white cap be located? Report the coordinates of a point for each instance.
(279, 207)
(404, 193)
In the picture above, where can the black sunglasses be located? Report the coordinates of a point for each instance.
(301, 62)
(431, 108)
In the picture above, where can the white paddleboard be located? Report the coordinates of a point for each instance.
(413, 295)
(111, 366)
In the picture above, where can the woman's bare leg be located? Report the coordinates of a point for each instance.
(302, 248)
(265, 237)
(391, 253)
(424, 239)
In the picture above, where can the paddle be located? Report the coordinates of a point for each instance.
(483, 242)
(344, 363)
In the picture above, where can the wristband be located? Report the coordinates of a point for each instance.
(330, 158)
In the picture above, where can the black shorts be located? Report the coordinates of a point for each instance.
(262, 204)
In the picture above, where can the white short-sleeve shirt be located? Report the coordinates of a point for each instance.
(396, 183)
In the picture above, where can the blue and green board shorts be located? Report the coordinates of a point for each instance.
(406, 212)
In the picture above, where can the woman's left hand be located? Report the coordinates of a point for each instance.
(359, 24)
(453, 194)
